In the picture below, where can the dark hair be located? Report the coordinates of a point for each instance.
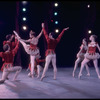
(84, 39)
(8, 36)
(53, 34)
(32, 33)
(5, 47)
(95, 37)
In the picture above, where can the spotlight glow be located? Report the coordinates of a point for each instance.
(24, 18)
(24, 2)
(88, 6)
(56, 4)
(24, 27)
(55, 13)
(56, 22)
(89, 31)
(24, 9)
(56, 30)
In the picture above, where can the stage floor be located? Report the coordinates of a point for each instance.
(64, 87)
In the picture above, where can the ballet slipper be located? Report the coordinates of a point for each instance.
(79, 76)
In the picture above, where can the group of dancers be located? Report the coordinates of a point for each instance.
(86, 53)
(33, 51)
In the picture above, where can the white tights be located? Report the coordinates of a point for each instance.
(84, 62)
(7, 71)
(76, 64)
(50, 58)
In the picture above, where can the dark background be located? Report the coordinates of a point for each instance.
(74, 14)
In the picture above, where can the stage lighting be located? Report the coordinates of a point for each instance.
(24, 27)
(56, 22)
(24, 2)
(56, 30)
(88, 6)
(56, 4)
(24, 18)
(55, 13)
(24, 9)
(89, 31)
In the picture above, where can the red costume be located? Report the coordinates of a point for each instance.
(51, 44)
(8, 57)
(11, 44)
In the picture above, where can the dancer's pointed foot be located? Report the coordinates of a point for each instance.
(79, 76)
(54, 77)
(42, 78)
(88, 74)
(38, 76)
(99, 76)
(73, 74)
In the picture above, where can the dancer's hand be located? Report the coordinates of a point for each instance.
(66, 28)
(42, 25)
(14, 31)
(13, 36)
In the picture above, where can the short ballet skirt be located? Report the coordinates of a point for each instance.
(33, 51)
(92, 56)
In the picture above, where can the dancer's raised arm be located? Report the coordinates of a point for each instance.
(61, 34)
(40, 34)
(44, 32)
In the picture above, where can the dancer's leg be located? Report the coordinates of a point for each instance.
(32, 58)
(48, 59)
(75, 66)
(87, 68)
(54, 65)
(84, 62)
(96, 67)
(38, 70)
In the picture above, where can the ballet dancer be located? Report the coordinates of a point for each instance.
(80, 57)
(12, 44)
(8, 56)
(91, 54)
(50, 52)
(31, 49)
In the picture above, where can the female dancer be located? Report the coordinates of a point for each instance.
(50, 52)
(8, 57)
(91, 54)
(80, 57)
(31, 49)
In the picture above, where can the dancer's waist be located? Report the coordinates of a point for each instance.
(49, 51)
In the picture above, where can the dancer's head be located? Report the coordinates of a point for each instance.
(51, 35)
(31, 34)
(6, 47)
(84, 41)
(93, 38)
(9, 37)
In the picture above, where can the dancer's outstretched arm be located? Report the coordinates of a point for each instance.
(61, 34)
(40, 34)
